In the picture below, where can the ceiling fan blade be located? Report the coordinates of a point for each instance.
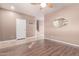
(35, 3)
(50, 5)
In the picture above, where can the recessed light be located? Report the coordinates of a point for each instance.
(12, 7)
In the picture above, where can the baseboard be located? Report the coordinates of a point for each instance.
(75, 45)
(14, 42)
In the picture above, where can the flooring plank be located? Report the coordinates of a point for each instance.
(41, 48)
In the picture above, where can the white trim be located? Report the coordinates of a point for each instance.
(62, 42)
(14, 42)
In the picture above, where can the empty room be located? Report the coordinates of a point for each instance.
(39, 29)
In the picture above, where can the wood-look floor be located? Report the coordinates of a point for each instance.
(41, 48)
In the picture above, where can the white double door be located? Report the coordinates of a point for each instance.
(20, 28)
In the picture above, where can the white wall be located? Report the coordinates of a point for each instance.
(68, 33)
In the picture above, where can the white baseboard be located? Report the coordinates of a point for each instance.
(75, 45)
(14, 42)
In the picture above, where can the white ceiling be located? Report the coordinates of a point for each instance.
(30, 9)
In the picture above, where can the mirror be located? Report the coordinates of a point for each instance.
(38, 25)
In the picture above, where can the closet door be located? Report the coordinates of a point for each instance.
(20, 28)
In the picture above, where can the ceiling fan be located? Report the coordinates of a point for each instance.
(43, 5)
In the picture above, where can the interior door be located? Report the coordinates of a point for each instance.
(20, 28)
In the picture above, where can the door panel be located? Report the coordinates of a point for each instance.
(20, 28)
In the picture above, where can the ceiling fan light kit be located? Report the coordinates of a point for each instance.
(43, 5)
